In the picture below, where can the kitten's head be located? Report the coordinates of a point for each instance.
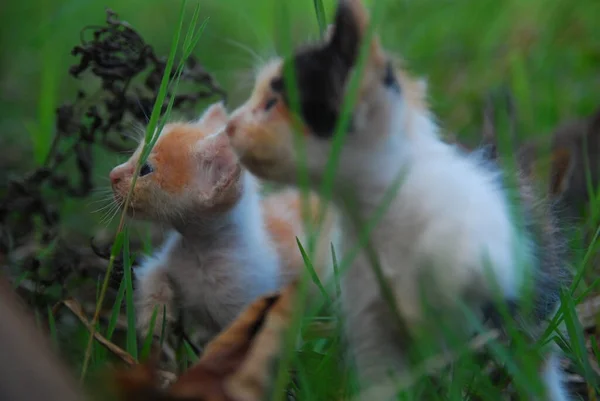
(191, 169)
(261, 129)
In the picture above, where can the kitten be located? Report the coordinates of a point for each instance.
(228, 246)
(450, 212)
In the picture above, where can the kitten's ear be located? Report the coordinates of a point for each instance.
(561, 171)
(349, 28)
(217, 162)
(214, 117)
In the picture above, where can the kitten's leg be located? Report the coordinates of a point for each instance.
(374, 345)
(154, 291)
(552, 376)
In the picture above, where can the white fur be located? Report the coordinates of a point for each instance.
(449, 219)
(218, 265)
(553, 380)
(449, 215)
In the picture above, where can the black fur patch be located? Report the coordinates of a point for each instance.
(277, 85)
(322, 72)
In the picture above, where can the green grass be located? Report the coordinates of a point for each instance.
(546, 52)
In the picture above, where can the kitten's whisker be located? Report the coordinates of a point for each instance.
(102, 190)
(101, 197)
(102, 194)
(256, 58)
(133, 132)
(137, 98)
(108, 209)
(139, 130)
(108, 201)
(113, 205)
(111, 215)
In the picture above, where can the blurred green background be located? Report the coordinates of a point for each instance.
(546, 51)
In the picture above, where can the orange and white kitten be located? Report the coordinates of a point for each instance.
(449, 223)
(228, 245)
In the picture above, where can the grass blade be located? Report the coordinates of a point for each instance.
(43, 133)
(116, 311)
(321, 17)
(129, 304)
(114, 316)
(282, 377)
(189, 351)
(350, 101)
(116, 249)
(576, 338)
(163, 328)
(311, 270)
(147, 346)
(347, 107)
(336, 273)
(164, 83)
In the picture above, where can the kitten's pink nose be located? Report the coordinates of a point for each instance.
(114, 176)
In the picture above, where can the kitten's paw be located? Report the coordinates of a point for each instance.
(154, 294)
(144, 318)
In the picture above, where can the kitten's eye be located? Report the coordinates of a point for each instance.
(270, 103)
(145, 170)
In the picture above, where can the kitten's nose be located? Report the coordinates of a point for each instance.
(230, 128)
(114, 177)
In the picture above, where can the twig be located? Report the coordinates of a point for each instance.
(76, 308)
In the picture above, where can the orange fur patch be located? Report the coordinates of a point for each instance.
(283, 219)
(172, 156)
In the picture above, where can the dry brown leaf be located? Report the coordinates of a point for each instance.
(251, 380)
(235, 365)
(76, 308)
